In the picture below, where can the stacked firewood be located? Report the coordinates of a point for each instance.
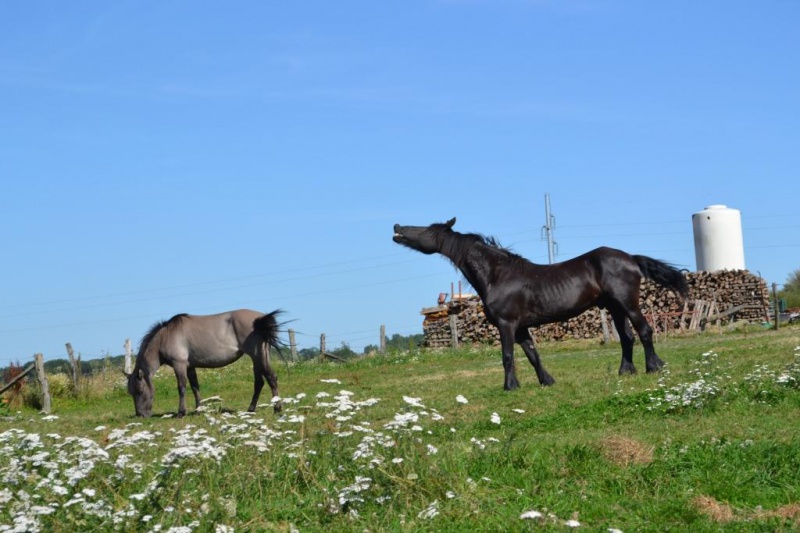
(714, 297)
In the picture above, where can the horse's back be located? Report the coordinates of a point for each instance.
(213, 340)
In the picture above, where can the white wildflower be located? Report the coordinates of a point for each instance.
(415, 402)
(495, 419)
(430, 511)
(461, 399)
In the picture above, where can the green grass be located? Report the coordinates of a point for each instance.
(712, 443)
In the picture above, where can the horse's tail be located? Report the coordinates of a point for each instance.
(663, 274)
(269, 328)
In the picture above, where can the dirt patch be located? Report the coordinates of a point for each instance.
(716, 511)
(787, 512)
(624, 451)
(441, 376)
(723, 513)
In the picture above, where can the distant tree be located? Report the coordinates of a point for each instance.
(790, 292)
(344, 351)
(398, 342)
(308, 353)
(403, 342)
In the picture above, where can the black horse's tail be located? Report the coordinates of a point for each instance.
(269, 328)
(663, 274)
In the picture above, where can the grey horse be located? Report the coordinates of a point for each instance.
(187, 342)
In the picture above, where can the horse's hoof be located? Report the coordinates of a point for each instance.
(627, 370)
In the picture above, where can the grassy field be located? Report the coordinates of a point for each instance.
(429, 441)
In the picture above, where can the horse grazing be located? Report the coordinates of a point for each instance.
(518, 294)
(187, 342)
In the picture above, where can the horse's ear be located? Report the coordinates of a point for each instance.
(450, 222)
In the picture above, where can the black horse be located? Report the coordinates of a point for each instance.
(518, 294)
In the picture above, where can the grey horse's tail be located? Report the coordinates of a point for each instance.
(269, 328)
(663, 274)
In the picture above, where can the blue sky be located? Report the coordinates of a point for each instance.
(167, 157)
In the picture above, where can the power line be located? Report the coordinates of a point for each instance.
(213, 282)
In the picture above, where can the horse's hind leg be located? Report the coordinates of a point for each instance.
(523, 337)
(652, 362)
(258, 384)
(272, 380)
(191, 373)
(261, 370)
(626, 366)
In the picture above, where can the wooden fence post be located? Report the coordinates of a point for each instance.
(383, 339)
(292, 345)
(604, 325)
(777, 305)
(128, 357)
(75, 364)
(454, 331)
(38, 360)
(322, 347)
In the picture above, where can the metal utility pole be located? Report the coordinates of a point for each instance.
(548, 229)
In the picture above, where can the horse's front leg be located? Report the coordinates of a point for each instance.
(523, 337)
(180, 375)
(507, 345)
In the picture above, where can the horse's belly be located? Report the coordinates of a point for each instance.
(538, 316)
(212, 360)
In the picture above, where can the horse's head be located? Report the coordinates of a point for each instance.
(141, 388)
(425, 239)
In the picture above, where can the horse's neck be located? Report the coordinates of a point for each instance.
(477, 268)
(149, 364)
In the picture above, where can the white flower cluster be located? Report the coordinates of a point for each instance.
(692, 395)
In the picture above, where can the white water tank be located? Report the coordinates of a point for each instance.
(718, 242)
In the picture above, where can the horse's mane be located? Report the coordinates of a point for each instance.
(457, 249)
(158, 326)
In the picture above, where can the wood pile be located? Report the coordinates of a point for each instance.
(714, 297)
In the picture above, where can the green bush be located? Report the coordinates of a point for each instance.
(60, 385)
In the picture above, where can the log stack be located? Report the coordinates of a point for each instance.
(723, 297)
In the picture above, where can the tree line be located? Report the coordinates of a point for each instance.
(790, 293)
(93, 366)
